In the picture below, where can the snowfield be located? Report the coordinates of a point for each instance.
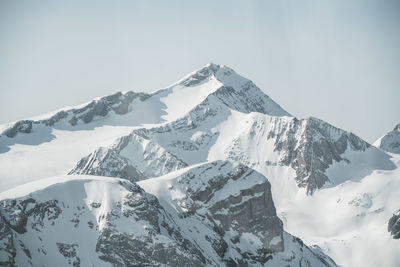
(209, 171)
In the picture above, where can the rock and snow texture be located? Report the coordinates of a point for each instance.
(73, 132)
(214, 131)
(394, 225)
(347, 221)
(94, 221)
(390, 142)
(208, 151)
(88, 221)
(112, 162)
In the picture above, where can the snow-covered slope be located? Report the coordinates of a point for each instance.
(390, 142)
(90, 221)
(221, 151)
(98, 221)
(319, 153)
(73, 132)
(348, 221)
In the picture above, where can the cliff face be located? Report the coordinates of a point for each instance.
(390, 142)
(215, 214)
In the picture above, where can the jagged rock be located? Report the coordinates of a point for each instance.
(390, 142)
(118, 102)
(24, 126)
(236, 203)
(69, 252)
(132, 157)
(224, 214)
(310, 146)
(208, 214)
(7, 247)
(244, 210)
(156, 242)
(138, 155)
(394, 225)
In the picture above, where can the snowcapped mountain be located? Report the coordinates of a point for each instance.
(209, 171)
(215, 214)
(217, 130)
(25, 145)
(390, 142)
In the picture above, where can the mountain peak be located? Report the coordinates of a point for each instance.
(390, 142)
(221, 73)
(216, 68)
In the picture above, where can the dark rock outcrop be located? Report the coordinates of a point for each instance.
(391, 141)
(394, 225)
(118, 103)
(147, 159)
(222, 214)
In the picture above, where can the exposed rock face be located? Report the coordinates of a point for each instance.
(237, 199)
(391, 141)
(111, 238)
(118, 102)
(7, 248)
(143, 152)
(236, 203)
(310, 146)
(394, 225)
(142, 155)
(122, 249)
(201, 75)
(236, 92)
(133, 157)
(249, 98)
(24, 126)
(216, 214)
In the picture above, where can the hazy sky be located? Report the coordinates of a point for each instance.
(335, 60)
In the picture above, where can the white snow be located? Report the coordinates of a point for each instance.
(348, 221)
(347, 218)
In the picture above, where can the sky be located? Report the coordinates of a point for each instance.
(335, 60)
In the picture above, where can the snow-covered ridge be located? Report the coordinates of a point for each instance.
(137, 156)
(390, 142)
(226, 174)
(119, 103)
(215, 130)
(24, 157)
(115, 222)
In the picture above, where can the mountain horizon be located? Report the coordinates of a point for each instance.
(210, 161)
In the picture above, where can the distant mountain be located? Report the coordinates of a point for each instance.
(390, 142)
(99, 122)
(232, 90)
(209, 171)
(310, 146)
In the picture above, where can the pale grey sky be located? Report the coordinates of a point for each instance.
(335, 60)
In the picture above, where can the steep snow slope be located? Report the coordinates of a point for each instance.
(350, 221)
(390, 142)
(329, 186)
(141, 152)
(73, 132)
(320, 154)
(89, 221)
(111, 221)
(297, 156)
